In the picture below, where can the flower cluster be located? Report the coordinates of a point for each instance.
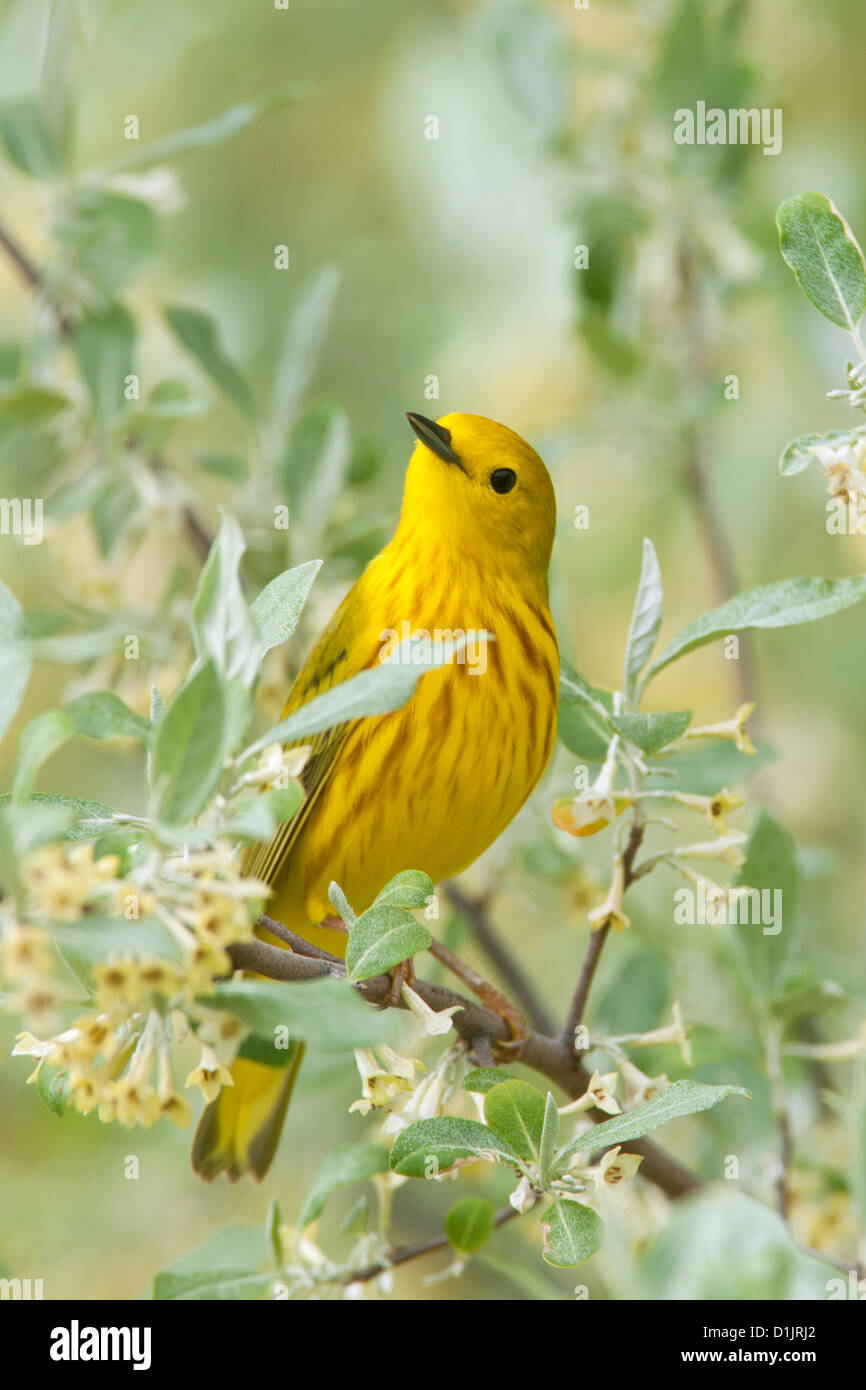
(179, 916)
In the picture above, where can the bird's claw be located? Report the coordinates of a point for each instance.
(403, 974)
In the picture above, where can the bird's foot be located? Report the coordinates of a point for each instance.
(404, 974)
(512, 1046)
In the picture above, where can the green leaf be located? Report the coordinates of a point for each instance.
(108, 237)
(515, 1113)
(273, 1222)
(411, 888)
(102, 714)
(316, 463)
(357, 1220)
(582, 728)
(39, 739)
(652, 732)
(326, 1013)
(157, 714)
(784, 604)
(646, 620)
(105, 347)
(188, 751)
(24, 827)
(60, 51)
(257, 817)
(547, 1143)
(25, 403)
(722, 1245)
(52, 1083)
(229, 466)
(347, 1163)
(28, 140)
(151, 426)
(278, 607)
(303, 341)
(798, 454)
(112, 512)
(95, 937)
(82, 820)
(820, 248)
(379, 690)
(430, 1146)
(483, 1079)
(228, 1267)
(199, 334)
(705, 766)
(681, 1098)
(382, 937)
(572, 1232)
(469, 1224)
(212, 132)
(221, 624)
(764, 948)
(340, 903)
(15, 658)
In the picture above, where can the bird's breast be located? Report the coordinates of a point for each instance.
(432, 785)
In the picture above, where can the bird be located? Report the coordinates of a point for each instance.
(433, 784)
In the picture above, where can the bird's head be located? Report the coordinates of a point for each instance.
(480, 483)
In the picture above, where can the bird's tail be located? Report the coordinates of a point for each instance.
(239, 1131)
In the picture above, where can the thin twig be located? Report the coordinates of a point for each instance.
(22, 262)
(296, 942)
(574, 1017)
(597, 938)
(401, 1254)
(474, 1023)
(522, 990)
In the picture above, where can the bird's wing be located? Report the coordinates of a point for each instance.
(340, 652)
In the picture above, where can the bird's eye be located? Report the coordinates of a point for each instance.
(503, 479)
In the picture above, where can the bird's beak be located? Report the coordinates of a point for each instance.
(436, 437)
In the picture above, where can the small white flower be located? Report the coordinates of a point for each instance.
(432, 1021)
(522, 1198)
(599, 1094)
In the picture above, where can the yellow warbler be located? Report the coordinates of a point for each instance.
(430, 785)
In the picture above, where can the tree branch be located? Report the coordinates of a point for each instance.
(401, 1254)
(597, 938)
(576, 1010)
(522, 990)
(22, 263)
(475, 1024)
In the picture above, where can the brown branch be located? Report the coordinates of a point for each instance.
(296, 942)
(475, 1024)
(22, 263)
(198, 534)
(597, 938)
(576, 1010)
(401, 1254)
(522, 990)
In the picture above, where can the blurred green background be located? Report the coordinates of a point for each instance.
(455, 258)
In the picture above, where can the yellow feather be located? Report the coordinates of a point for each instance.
(432, 785)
